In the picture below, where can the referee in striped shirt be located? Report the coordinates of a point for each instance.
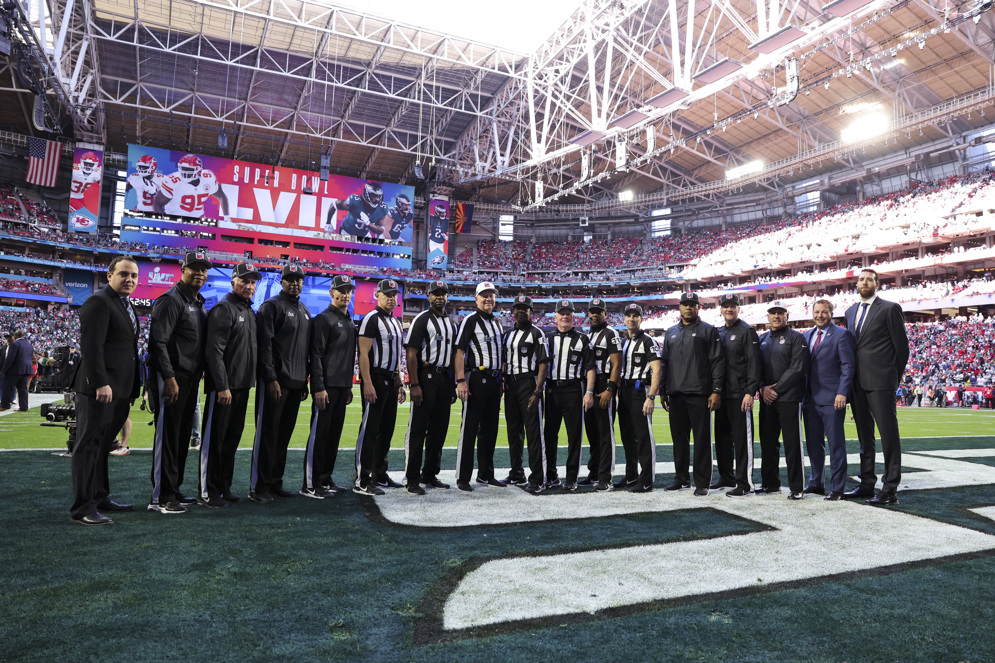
(599, 421)
(478, 385)
(380, 336)
(524, 374)
(571, 392)
(430, 346)
(638, 387)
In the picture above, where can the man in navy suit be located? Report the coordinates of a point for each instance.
(830, 377)
(17, 371)
(882, 353)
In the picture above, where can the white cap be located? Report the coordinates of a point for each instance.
(776, 305)
(485, 287)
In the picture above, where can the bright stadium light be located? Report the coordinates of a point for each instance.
(746, 169)
(625, 196)
(865, 127)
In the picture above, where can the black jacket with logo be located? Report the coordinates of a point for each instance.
(692, 359)
(177, 333)
(231, 345)
(283, 327)
(786, 360)
(333, 350)
(744, 363)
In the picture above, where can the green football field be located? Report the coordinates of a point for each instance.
(501, 575)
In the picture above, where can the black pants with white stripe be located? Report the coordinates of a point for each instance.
(637, 436)
(781, 420)
(481, 415)
(275, 421)
(689, 415)
(564, 404)
(734, 439)
(523, 424)
(323, 438)
(427, 427)
(376, 429)
(599, 423)
(222, 431)
(172, 439)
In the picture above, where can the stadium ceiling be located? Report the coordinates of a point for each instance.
(691, 88)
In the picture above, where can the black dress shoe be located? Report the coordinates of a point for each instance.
(857, 493)
(435, 483)
(722, 484)
(883, 498)
(677, 485)
(111, 505)
(93, 519)
(464, 486)
(813, 490)
(280, 492)
(834, 496)
(700, 492)
(261, 498)
(414, 489)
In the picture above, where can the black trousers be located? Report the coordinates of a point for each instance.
(222, 431)
(428, 426)
(599, 424)
(96, 425)
(637, 436)
(523, 424)
(481, 413)
(564, 404)
(878, 407)
(376, 429)
(323, 438)
(781, 420)
(734, 439)
(15, 384)
(172, 438)
(689, 415)
(275, 423)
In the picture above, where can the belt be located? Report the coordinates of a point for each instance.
(563, 383)
(487, 371)
(393, 374)
(434, 369)
(626, 382)
(520, 376)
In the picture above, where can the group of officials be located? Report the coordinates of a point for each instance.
(567, 377)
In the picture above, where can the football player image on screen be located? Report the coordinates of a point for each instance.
(86, 173)
(366, 213)
(438, 228)
(400, 215)
(145, 183)
(184, 192)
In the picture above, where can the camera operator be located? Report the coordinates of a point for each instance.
(106, 386)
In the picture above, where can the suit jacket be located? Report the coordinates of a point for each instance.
(833, 365)
(18, 359)
(882, 345)
(109, 346)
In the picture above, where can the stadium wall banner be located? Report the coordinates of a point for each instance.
(78, 283)
(256, 197)
(437, 255)
(84, 190)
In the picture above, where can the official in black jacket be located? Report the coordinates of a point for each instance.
(283, 327)
(734, 419)
(332, 366)
(177, 333)
(106, 386)
(230, 356)
(786, 360)
(693, 375)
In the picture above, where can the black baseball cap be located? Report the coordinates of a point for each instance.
(689, 298)
(729, 300)
(342, 282)
(388, 287)
(597, 303)
(436, 286)
(244, 269)
(292, 272)
(196, 258)
(522, 300)
(565, 304)
(633, 308)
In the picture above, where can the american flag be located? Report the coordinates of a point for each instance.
(43, 161)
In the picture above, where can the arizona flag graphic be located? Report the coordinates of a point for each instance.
(463, 217)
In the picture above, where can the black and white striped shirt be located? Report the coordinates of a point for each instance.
(604, 341)
(434, 337)
(524, 350)
(387, 333)
(479, 336)
(637, 355)
(570, 356)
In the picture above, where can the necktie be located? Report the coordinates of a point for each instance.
(860, 322)
(131, 316)
(818, 339)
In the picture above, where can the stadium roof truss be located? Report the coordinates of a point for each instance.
(654, 96)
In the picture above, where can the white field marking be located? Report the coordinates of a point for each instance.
(957, 453)
(985, 511)
(34, 401)
(805, 545)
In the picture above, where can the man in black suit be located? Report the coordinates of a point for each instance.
(882, 353)
(106, 386)
(18, 371)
